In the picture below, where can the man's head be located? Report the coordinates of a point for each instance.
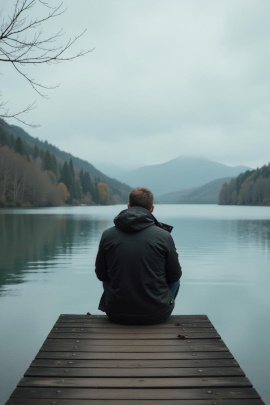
(141, 197)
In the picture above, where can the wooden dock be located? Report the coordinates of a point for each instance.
(89, 360)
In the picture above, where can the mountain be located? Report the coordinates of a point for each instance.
(206, 194)
(179, 174)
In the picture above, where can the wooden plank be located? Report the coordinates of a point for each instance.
(101, 325)
(173, 320)
(134, 335)
(16, 401)
(173, 382)
(133, 356)
(134, 372)
(134, 349)
(134, 363)
(79, 346)
(114, 331)
(132, 342)
(141, 394)
(104, 318)
(68, 323)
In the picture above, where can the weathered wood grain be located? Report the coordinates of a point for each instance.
(89, 360)
(144, 363)
(132, 356)
(16, 401)
(139, 383)
(134, 372)
(213, 394)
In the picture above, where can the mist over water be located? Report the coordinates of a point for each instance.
(47, 268)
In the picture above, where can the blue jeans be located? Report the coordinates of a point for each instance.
(174, 287)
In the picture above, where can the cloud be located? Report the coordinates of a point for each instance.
(165, 79)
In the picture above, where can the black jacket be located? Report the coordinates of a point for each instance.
(138, 259)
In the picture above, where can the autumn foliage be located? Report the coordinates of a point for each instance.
(104, 193)
(35, 178)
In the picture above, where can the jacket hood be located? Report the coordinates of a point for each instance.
(134, 219)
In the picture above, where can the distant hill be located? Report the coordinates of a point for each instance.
(206, 194)
(10, 133)
(179, 174)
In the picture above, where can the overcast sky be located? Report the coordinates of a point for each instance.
(167, 78)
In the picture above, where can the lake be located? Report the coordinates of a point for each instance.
(47, 261)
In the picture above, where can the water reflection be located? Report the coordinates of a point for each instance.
(35, 243)
(253, 234)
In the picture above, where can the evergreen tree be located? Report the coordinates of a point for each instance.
(20, 148)
(41, 153)
(35, 152)
(265, 171)
(96, 191)
(54, 165)
(77, 190)
(66, 176)
(67, 179)
(47, 161)
(3, 138)
(81, 176)
(60, 168)
(11, 141)
(71, 168)
(86, 183)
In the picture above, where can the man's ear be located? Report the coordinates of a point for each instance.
(152, 209)
(128, 205)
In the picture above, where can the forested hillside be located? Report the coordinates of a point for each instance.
(249, 188)
(35, 173)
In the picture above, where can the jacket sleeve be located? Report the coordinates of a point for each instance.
(173, 267)
(101, 267)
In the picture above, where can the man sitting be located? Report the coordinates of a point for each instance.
(138, 264)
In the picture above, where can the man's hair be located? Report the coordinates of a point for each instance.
(141, 197)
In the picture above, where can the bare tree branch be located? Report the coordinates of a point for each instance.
(24, 43)
(6, 114)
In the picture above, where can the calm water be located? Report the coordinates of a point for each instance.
(47, 268)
